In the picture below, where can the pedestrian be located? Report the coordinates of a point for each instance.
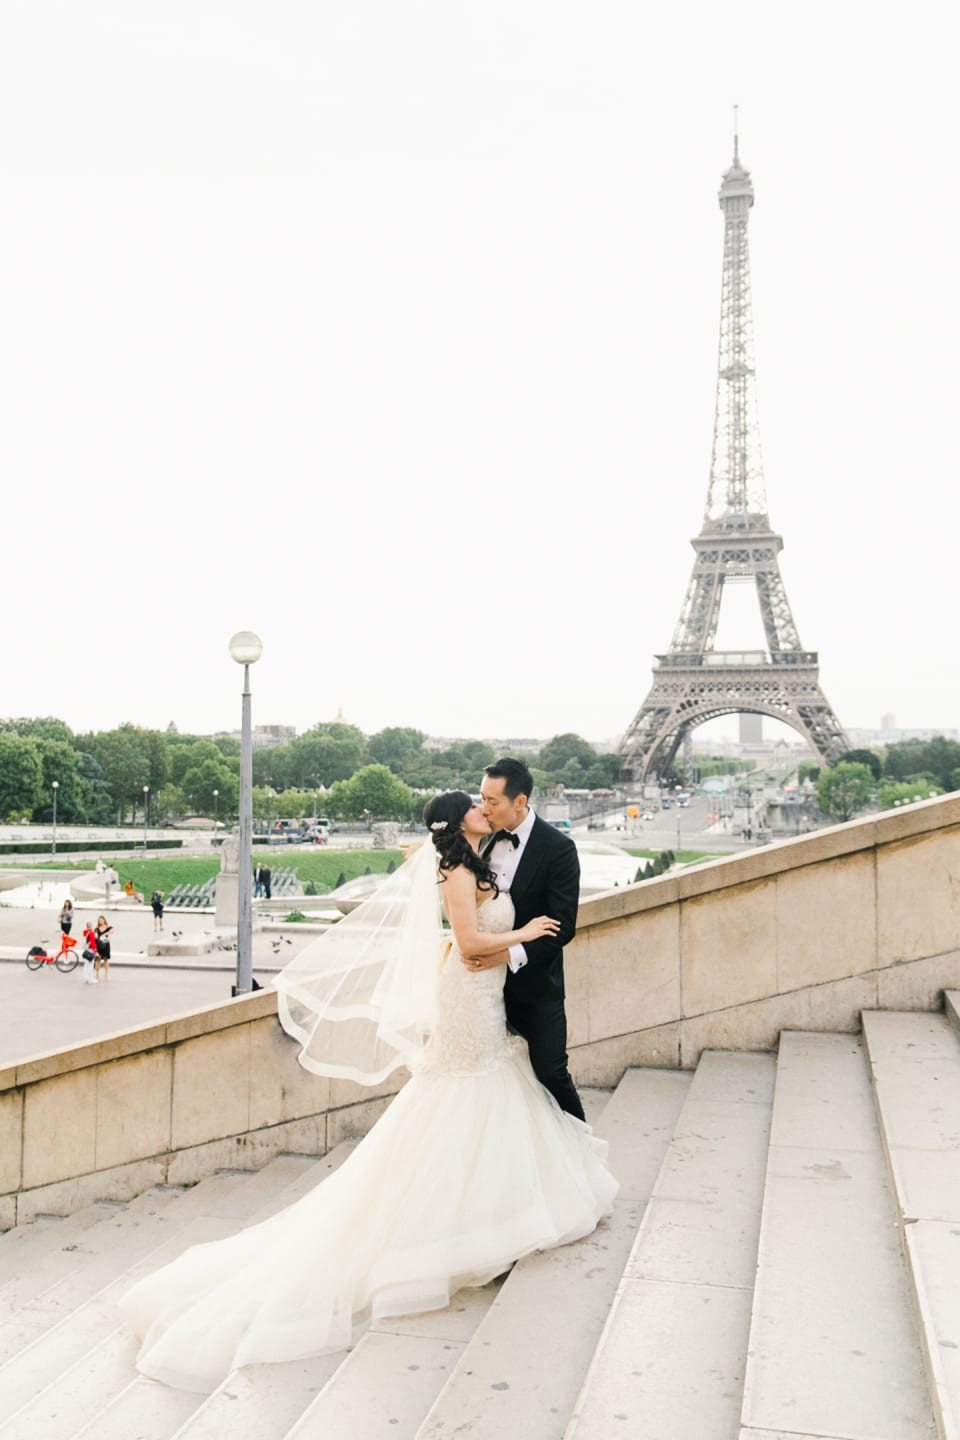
(156, 904)
(89, 954)
(266, 880)
(110, 878)
(258, 882)
(66, 917)
(132, 893)
(103, 948)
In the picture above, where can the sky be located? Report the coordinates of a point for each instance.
(388, 330)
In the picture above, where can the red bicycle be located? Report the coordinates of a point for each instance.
(65, 959)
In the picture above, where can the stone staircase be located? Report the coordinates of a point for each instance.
(782, 1263)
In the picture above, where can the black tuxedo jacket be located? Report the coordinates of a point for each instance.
(547, 882)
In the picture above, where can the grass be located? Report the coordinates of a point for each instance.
(684, 857)
(324, 868)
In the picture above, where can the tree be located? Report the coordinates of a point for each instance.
(559, 751)
(571, 774)
(272, 765)
(209, 773)
(905, 793)
(59, 761)
(863, 757)
(124, 760)
(21, 775)
(397, 747)
(317, 758)
(159, 760)
(96, 797)
(374, 791)
(938, 758)
(45, 727)
(844, 790)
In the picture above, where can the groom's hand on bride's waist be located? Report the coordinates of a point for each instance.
(477, 963)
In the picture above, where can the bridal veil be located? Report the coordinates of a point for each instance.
(362, 998)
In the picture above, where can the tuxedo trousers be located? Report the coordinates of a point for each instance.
(543, 1024)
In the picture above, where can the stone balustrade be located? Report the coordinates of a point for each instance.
(803, 934)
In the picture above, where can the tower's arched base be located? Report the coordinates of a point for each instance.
(688, 691)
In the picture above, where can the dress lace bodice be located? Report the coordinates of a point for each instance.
(471, 1034)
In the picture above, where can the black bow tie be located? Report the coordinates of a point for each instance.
(506, 835)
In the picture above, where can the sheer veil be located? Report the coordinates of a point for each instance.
(361, 999)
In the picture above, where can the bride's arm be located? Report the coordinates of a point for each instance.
(459, 891)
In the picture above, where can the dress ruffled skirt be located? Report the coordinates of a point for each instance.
(463, 1175)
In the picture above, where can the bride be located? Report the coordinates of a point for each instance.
(473, 1165)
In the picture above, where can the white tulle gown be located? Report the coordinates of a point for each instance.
(472, 1166)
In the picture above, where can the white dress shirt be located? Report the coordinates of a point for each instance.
(503, 859)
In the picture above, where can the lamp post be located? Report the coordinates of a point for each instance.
(216, 812)
(246, 649)
(53, 842)
(146, 811)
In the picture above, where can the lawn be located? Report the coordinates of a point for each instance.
(324, 868)
(683, 857)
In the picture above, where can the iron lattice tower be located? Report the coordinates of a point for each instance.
(694, 682)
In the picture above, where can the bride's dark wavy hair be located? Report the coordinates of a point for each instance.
(444, 816)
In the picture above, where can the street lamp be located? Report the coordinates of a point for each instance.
(146, 811)
(53, 843)
(246, 648)
(216, 811)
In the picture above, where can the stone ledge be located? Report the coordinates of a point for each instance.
(926, 817)
(187, 1026)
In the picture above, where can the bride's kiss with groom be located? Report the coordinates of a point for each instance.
(481, 1158)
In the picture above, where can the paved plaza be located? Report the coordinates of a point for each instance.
(43, 1010)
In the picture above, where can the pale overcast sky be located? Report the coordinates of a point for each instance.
(389, 330)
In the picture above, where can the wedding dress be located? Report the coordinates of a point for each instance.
(472, 1166)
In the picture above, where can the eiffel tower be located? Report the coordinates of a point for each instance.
(694, 682)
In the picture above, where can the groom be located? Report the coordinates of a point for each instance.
(539, 868)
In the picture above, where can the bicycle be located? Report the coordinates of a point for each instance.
(64, 958)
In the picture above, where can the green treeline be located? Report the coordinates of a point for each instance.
(107, 777)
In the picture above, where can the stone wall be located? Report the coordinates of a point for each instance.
(801, 935)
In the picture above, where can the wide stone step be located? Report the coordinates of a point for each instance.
(54, 1249)
(100, 1388)
(532, 1349)
(915, 1063)
(833, 1343)
(669, 1365)
(61, 1329)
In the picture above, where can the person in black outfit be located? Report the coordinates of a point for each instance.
(540, 868)
(266, 880)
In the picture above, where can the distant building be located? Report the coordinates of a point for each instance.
(437, 743)
(262, 735)
(867, 739)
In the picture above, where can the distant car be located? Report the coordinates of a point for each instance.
(561, 824)
(647, 815)
(665, 803)
(596, 825)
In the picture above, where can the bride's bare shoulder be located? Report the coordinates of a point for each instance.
(463, 886)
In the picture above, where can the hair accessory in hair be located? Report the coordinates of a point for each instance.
(439, 825)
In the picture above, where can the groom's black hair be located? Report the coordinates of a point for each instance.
(517, 778)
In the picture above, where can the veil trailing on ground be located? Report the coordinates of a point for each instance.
(361, 999)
